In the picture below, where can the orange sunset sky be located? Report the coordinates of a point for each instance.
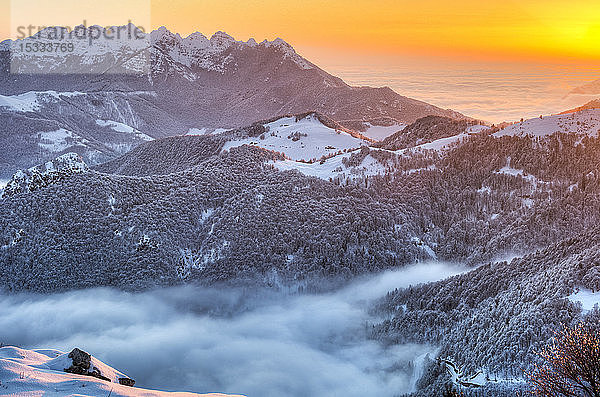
(469, 29)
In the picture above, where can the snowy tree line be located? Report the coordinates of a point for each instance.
(496, 317)
(178, 210)
(490, 197)
(231, 217)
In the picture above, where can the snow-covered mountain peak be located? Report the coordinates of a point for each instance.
(160, 33)
(84, 49)
(278, 42)
(221, 40)
(212, 54)
(126, 49)
(288, 52)
(196, 41)
(281, 45)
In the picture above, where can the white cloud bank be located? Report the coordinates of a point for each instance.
(232, 341)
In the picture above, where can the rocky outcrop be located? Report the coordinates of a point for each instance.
(43, 175)
(82, 365)
(126, 382)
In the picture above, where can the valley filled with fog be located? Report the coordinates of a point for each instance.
(255, 342)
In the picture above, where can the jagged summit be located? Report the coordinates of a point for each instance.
(221, 39)
(196, 40)
(132, 42)
(197, 45)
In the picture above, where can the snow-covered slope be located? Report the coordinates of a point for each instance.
(443, 144)
(428, 130)
(40, 124)
(41, 372)
(302, 139)
(439, 144)
(585, 122)
(33, 100)
(343, 158)
(337, 167)
(205, 131)
(124, 128)
(59, 140)
(380, 132)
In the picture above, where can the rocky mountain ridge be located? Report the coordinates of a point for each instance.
(165, 85)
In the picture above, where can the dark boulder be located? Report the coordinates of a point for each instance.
(82, 362)
(126, 381)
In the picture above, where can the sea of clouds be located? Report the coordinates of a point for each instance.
(490, 91)
(257, 343)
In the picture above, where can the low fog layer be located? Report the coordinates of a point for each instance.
(257, 343)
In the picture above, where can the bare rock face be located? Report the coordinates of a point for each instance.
(82, 365)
